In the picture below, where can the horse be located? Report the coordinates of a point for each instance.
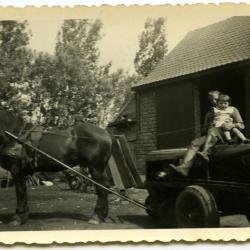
(83, 144)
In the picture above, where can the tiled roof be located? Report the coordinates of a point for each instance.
(215, 45)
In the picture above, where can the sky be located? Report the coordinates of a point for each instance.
(123, 25)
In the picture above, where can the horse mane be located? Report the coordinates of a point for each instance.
(10, 121)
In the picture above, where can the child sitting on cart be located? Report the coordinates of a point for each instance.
(224, 118)
(223, 115)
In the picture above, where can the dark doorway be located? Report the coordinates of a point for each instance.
(175, 119)
(230, 82)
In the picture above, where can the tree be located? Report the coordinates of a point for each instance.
(152, 46)
(52, 89)
(82, 85)
(14, 64)
(15, 57)
(120, 83)
(43, 69)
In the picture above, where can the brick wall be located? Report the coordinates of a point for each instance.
(146, 127)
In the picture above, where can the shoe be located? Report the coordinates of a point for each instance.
(203, 155)
(246, 141)
(230, 142)
(179, 169)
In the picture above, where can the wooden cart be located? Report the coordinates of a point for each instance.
(220, 187)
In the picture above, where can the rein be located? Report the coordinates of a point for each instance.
(26, 132)
(57, 134)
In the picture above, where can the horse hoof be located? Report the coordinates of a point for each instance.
(15, 223)
(95, 220)
(19, 219)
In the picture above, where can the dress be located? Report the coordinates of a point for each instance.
(217, 132)
(222, 116)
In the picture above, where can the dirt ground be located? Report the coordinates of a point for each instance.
(52, 208)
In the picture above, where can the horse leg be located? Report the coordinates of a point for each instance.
(22, 210)
(101, 207)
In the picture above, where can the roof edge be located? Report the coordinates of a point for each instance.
(194, 74)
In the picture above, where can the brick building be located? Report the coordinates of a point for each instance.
(172, 100)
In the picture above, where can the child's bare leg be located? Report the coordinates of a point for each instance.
(211, 140)
(228, 136)
(207, 144)
(240, 135)
(189, 157)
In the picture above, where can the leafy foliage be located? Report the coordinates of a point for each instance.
(152, 46)
(15, 57)
(54, 89)
(81, 83)
(84, 87)
(121, 83)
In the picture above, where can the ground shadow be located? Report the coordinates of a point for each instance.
(6, 218)
(62, 215)
(143, 221)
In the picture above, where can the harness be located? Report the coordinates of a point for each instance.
(32, 134)
(29, 159)
(17, 152)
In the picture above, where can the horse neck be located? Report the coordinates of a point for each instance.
(11, 123)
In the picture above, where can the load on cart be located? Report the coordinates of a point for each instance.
(192, 187)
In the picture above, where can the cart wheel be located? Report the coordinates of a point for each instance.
(196, 207)
(90, 188)
(75, 182)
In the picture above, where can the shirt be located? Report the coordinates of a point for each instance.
(222, 116)
(209, 117)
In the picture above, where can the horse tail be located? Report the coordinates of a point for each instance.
(113, 140)
(112, 136)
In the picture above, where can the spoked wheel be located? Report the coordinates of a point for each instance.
(75, 182)
(87, 187)
(196, 207)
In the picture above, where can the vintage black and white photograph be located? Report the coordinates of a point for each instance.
(125, 119)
